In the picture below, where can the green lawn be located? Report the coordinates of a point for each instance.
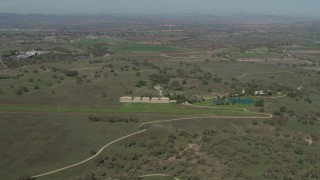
(124, 108)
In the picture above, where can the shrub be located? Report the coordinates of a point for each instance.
(254, 122)
(259, 103)
(205, 82)
(71, 73)
(141, 83)
(298, 151)
(283, 109)
(277, 113)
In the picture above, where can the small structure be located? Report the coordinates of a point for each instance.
(145, 99)
(154, 100)
(259, 93)
(27, 54)
(136, 99)
(126, 99)
(164, 100)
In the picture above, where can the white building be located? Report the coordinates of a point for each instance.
(126, 99)
(155, 100)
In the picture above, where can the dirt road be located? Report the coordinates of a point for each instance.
(92, 157)
(245, 74)
(139, 132)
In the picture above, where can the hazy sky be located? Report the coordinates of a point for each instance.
(216, 7)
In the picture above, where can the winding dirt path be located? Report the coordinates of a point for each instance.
(92, 157)
(159, 88)
(145, 129)
(1, 62)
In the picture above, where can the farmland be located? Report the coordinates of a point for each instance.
(61, 118)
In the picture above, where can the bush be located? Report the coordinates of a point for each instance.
(298, 151)
(308, 100)
(205, 82)
(141, 83)
(217, 80)
(292, 95)
(128, 91)
(254, 122)
(172, 136)
(92, 152)
(259, 103)
(175, 86)
(283, 109)
(277, 113)
(70, 73)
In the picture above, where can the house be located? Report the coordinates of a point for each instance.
(27, 54)
(259, 93)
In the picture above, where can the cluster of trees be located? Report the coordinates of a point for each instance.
(182, 98)
(95, 61)
(175, 86)
(161, 78)
(259, 103)
(70, 73)
(141, 83)
(21, 91)
(83, 79)
(113, 119)
(306, 119)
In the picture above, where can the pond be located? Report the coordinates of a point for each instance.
(233, 101)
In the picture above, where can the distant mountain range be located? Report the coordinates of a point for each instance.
(17, 20)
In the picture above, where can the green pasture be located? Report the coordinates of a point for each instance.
(143, 47)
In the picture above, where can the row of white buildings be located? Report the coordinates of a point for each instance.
(163, 100)
(27, 54)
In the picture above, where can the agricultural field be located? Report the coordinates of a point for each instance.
(244, 101)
